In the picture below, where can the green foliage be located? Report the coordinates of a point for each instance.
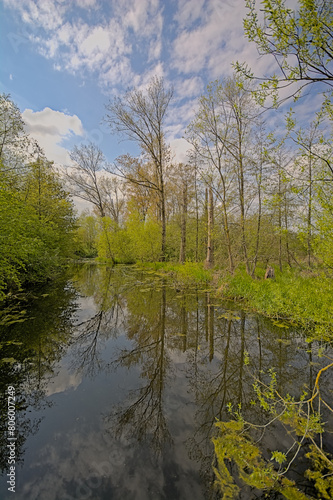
(105, 241)
(145, 237)
(299, 40)
(31, 245)
(233, 444)
(181, 275)
(321, 473)
(85, 236)
(323, 239)
(304, 299)
(138, 241)
(36, 214)
(303, 423)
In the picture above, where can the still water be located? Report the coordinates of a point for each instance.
(119, 379)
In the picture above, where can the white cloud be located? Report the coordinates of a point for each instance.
(179, 148)
(86, 4)
(98, 40)
(144, 17)
(155, 48)
(50, 128)
(191, 42)
(190, 87)
(179, 117)
(63, 381)
(220, 25)
(120, 71)
(188, 12)
(157, 70)
(102, 46)
(46, 13)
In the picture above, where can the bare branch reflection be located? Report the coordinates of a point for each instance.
(142, 415)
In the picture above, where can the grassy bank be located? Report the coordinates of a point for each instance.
(294, 296)
(305, 299)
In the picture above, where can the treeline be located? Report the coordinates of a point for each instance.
(244, 196)
(36, 212)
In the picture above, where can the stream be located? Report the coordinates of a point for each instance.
(119, 378)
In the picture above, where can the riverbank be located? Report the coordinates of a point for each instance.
(294, 297)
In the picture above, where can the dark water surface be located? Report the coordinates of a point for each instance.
(119, 380)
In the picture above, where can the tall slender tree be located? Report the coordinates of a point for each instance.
(139, 116)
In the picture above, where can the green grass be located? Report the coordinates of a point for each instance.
(306, 300)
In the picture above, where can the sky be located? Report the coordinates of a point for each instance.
(63, 60)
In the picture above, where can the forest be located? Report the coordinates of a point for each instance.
(249, 196)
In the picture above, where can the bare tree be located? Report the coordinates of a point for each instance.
(210, 225)
(207, 135)
(83, 176)
(87, 183)
(113, 191)
(139, 116)
(17, 149)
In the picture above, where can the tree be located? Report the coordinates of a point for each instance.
(11, 123)
(140, 116)
(142, 185)
(36, 224)
(84, 178)
(86, 235)
(36, 213)
(113, 191)
(222, 135)
(15, 145)
(300, 40)
(181, 194)
(207, 138)
(210, 226)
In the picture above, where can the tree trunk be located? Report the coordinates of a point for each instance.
(309, 216)
(163, 217)
(196, 219)
(182, 253)
(210, 250)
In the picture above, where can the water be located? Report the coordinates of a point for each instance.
(120, 378)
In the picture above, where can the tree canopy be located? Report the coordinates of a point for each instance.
(301, 42)
(36, 213)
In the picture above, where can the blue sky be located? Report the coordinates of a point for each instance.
(62, 60)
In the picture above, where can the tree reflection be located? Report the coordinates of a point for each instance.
(103, 285)
(187, 355)
(245, 349)
(34, 332)
(142, 416)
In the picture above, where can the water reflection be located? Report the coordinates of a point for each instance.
(34, 332)
(148, 369)
(142, 414)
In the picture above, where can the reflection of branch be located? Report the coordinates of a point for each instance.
(127, 357)
(87, 341)
(145, 417)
